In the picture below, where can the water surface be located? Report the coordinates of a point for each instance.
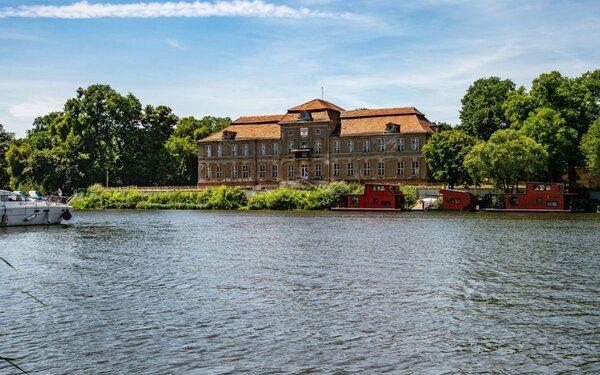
(197, 292)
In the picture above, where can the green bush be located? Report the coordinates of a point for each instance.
(258, 202)
(410, 195)
(327, 196)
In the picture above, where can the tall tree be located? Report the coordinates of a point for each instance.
(482, 113)
(548, 128)
(445, 154)
(183, 149)
(5, 139)
(506, 159)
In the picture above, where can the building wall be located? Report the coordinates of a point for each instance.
(329, 159)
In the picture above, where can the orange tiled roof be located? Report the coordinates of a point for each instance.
(316, 104)
(376, 125)
(258, 119)
(381, 112)
(248, 131)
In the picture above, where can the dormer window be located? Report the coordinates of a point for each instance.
(228, 135)
(305, 116)
(392, 128)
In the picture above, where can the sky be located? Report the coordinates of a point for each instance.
(258, 57)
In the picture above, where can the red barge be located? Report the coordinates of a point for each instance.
(377, 197)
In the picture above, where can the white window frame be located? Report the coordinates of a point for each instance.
(234, 150)
(415, 168)
(318, 170)
(245, 171)
(400, 168)
(336, 169)
(291, 172)
(274, 171)
(318, 146)
(366, 145)
(234, 171)
(367, 168)
(262, 149)
(380, 145)
(245, 150)
(275, 148)
(400, 145)
(350, 169)
(262, 171)
(336, 146)
(350, 146)
(207, 151)
(415, 143)
(381, 168)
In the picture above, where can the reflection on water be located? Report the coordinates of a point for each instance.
(158, 292)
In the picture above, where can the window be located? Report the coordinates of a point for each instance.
(400, 145)
(318, 146)
(367, 169)
(336, 146)
(415, 143)
(318, 170)
(274, 171)
(219, 172)
(350, 146)
(415, 168)
(290, 133)
(234, 150)
(245, 149)
(219, 150)
(207, 151)
(400, 168)
(208, 172)
(350, 169)
(317, 131)
(380, 145)
(234, 173)
(366, 145)
(262, 171)
(290, 146)
(551, 204)
(291, 170)
(262, 149)
(304, 170)
(245, 171)
(304, 145)
(336, 169)
(540, 200)
(380, 168)
(275, 149)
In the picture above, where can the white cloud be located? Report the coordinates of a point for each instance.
(234, 8)
(174, 44)
(36, 107)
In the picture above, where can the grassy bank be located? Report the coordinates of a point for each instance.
(219, 198)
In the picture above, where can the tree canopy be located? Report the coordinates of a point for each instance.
(102, 134)
(445, 153)
(5, 139)
(506, 159)
(482, 113)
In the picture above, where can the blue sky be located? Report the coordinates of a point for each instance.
(236, 58)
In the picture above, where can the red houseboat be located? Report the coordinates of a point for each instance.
(458, 200)
(538, 197)
(377, 197)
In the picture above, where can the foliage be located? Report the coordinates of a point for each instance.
(445, 153)
(329, 195)
(5, 139)
(410, 195)
(102, 134)
(507, 158)
(442, 126)
(575, 100)
(590, 147)
(548, 128)
(482, 113)
(182, 148)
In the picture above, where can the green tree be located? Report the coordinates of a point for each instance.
(548, 128)
(590, 147)
(183, 149)
(445, 153)
(506, 159)
(482, 113)
(5, 140)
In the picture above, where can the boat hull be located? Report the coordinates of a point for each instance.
(33, 213)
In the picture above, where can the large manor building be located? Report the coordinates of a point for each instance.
(315, 142)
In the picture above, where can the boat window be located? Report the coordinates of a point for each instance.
(355, 201)
(540, 200)
(375, 200)
(386, 203)
(552, 204)
(513, 201)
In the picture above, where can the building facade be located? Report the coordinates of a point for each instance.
(317, 142)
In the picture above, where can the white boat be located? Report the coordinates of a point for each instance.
(18, 210)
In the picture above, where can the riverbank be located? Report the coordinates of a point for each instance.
(226, 198)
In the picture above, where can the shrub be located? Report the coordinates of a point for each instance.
(410, 195)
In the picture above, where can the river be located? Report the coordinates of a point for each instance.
(200, 292)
